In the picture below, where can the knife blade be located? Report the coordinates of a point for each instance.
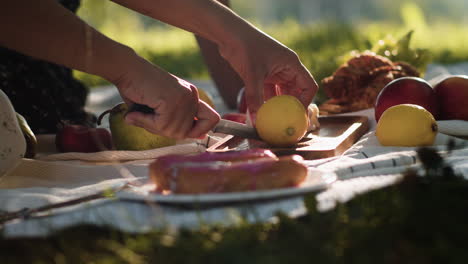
(236, 129)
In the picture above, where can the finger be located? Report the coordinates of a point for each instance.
(147, 122)
(188, 123)
(185, 83)
(184, 115)
(207, 118)
(184, 126)
(269, 91)
(297, 82)
(307, 86)
(254, 93)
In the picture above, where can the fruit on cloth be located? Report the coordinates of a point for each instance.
(79, 138)
(236, 117)
(355, 85)
(232, 171)
(129, 137)
(406, 125)
(452, 93)
(407, 90)
(206, 97)
(282, 121)
(12, 142)
(31, 141)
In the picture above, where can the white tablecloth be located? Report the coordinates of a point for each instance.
(366, 166)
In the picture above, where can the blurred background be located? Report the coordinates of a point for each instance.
(322, 32)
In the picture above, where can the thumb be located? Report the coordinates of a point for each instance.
(206, 119)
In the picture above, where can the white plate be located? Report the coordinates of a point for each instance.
(314, 182)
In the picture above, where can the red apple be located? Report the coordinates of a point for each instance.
(78, 138)
(241, 101)
(407, 90)
(452, 93)
(236, 117)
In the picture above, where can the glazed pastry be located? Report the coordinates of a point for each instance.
(233, 171)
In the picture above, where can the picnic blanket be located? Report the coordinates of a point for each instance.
(364, 167)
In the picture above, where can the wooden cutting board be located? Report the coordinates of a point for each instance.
(336, 134)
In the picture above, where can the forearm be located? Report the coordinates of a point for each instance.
(46, 30)
(206, 18)
(226, 79)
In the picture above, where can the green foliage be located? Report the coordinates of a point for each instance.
(321, 47)
(413, 16)
(400, 50)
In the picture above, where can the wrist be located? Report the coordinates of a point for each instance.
(117, 64)
(107, 58)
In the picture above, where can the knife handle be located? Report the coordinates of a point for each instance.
(141, 108)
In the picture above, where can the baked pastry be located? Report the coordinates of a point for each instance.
(355, 85)
(233, 171)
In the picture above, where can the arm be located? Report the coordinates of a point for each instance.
(264, 65)
(46, 30)
(226, 79)
(210, 31)
(206, 18)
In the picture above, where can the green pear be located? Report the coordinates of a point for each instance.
(31, 141)
(128, 137)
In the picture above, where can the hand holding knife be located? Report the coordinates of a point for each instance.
(223, 126)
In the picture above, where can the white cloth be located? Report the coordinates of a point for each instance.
(364, 167)
(453, 127)
(188, 146)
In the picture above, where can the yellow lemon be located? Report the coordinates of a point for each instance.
(406, 125)
(282, 121)
(206, 97)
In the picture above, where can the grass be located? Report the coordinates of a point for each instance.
(321, 47)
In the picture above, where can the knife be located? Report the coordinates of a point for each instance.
(223, 126)
(236, 129)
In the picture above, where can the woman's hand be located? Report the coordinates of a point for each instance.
(178, 112)
(268, 68)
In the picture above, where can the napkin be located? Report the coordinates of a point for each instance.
(187, 146)
(453, 127)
